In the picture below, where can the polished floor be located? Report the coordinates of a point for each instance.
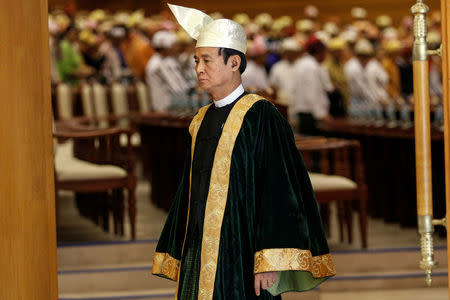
(75, 230)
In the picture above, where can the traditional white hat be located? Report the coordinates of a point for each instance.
(311, 11)
(290, 44)
(358, 13)
(383, 21)
(304, 25)
(392, 46)
(164, 39)
(364, 47)
(263, 19)
(434, 37)
(336, 44)
(331, 28)
(222, 33)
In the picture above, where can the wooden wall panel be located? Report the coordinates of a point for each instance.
(397, 8)
(27, 212)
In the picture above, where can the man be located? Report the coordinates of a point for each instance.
(281, 75)
(362, 94)
(255, 76)
(311, 101)
(244, 219)
(163, 73)
(116, 67)
(339, 99)
(392, 50)
(135, 47)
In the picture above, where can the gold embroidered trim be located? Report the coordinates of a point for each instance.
(217, 195)
(292, 259)
(164, 264)
(193, 130)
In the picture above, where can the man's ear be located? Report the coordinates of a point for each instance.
(235, 62)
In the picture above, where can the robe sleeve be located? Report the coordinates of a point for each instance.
(290, 238)
(166, 261)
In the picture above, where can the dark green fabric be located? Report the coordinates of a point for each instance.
(270, 205)
(172, 236)
(205, 148)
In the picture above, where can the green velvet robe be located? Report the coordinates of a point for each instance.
(261, 214)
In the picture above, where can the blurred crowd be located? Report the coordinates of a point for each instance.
(318, 69)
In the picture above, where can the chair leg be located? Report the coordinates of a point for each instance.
(132, 211)
(115, 210)
(120, 211)
(363, 215)
(104, 210)
(349, 220)
(341, 217)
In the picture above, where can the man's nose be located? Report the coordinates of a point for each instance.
(199, 68)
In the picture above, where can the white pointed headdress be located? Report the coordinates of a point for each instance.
(221, 33)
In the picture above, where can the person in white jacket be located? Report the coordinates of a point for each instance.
(163, 73)
(311, 102)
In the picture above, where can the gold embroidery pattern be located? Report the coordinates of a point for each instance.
(193, 130)
(164, 264)
(217, 195)
(294, 259)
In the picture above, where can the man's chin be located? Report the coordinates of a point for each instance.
(203, 85)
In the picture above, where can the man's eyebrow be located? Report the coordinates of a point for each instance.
(203, 56)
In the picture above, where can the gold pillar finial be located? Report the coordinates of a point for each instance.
(419, 10)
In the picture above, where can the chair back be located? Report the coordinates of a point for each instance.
(333, 156)
(100, 104)
(142, 97)
(64, 101)
(87, 100)
(120, 104)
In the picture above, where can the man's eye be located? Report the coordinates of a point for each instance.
(206, 60)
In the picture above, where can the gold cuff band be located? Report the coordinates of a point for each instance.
(166, 265)
(293, 259)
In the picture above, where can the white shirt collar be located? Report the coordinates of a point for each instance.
(230, 98)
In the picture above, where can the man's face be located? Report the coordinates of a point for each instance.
(211, 70)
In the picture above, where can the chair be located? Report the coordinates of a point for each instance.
(104, 167)
(121, 110)
(339, 178)
(64, 102)
(87, 100)
(142, 97)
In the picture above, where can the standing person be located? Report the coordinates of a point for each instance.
(244, 223)
(311, 101)
(361, 93)
(282, 73)
(163, 73)
(255, 75)
(339, 98)
(392, 50)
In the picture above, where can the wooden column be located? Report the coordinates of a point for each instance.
(28, 268)
(445, 11)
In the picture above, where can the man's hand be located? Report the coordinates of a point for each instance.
(264, 280)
